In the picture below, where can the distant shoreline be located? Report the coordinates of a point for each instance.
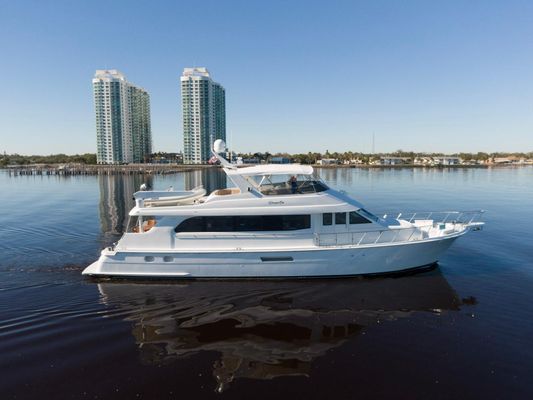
(84, 169)
(370, 166)
(161, 169)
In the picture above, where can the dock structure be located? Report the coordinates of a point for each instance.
(82, 169)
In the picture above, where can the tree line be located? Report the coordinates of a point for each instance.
(313, 157)
(17, 159)
(302, 158)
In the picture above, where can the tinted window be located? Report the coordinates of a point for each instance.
(327, 219)
(340, 218)
(245, 223)
(355, 218)
(196, 224)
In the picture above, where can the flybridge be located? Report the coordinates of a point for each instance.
(270, 179)
(273, 169)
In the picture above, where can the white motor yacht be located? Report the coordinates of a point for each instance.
(277, 221)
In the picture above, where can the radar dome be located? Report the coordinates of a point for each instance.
(219, 146)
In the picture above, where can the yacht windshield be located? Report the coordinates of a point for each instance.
(289, 184)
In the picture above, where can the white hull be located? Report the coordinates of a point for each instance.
(297, 263)
(268, 226)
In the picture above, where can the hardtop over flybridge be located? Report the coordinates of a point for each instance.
(275, 221)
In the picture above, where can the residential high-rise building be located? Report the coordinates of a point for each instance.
(204, 114)
(123, 129)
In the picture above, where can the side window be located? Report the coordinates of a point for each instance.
(340, 218)
(295, 222)
(218, 224)
(327, 219)
(355, 218)
(195, 224)
(245, 223)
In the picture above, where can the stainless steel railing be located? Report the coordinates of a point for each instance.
(460, 217)
(370, 237)
(448, 221)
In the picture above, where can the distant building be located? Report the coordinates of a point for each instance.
(446, 160)
(167, 158)
(471, 162)
(123, 127)
(280, 160)
(509, 160)
(354, 161)
(204, 114)
(394, 160)
(424, 160)
(253, 160)
(328, 161)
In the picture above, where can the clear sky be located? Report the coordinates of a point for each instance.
(299, 75)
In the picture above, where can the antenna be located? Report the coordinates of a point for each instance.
(373, 143)
(230, 146)
(219, 147)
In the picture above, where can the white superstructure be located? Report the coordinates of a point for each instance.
(277, 221)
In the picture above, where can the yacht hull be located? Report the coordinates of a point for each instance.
(296, 263)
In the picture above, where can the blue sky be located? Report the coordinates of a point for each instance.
(299, 75)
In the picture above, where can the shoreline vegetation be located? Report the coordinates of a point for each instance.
(165, 163)
(302, 158)
(161, 169)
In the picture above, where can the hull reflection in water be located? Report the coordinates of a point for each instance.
(264, 330)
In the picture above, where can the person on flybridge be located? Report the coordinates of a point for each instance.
(293, 182)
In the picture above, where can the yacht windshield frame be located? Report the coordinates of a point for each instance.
(288, 184)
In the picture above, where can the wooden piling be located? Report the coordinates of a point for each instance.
(81, 169)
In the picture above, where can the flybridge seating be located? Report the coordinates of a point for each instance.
(226, 192)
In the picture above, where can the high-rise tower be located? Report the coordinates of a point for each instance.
(204, 114)
(123, 129)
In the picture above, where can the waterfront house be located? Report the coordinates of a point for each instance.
(253, 160)
(446, 160)
(328, 161)
(394, 160)
(509, 160)
(355, 161)
(423, 161)
(280, 160)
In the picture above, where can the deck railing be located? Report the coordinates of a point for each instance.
(458, 217)
(426, 220)
(407, 234)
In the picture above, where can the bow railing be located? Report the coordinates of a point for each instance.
(426, 225)
(458, 217)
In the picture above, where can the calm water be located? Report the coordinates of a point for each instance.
(463, 330)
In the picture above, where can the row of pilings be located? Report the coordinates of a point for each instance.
(130, 169)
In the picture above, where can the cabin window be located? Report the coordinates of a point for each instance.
(340, 218)
(355, 218)
(327, 219)
(245, 223)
